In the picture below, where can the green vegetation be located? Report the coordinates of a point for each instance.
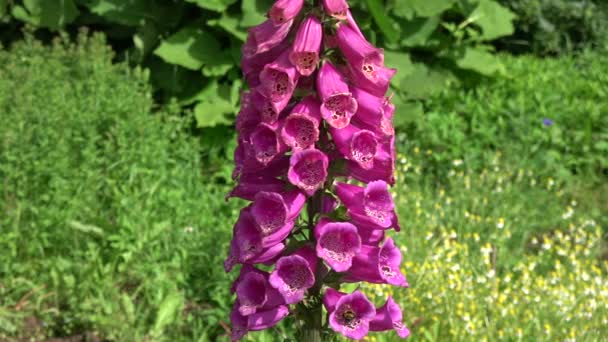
(112, 227)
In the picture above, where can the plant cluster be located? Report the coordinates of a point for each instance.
(300, 130)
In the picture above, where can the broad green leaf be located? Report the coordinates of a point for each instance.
(214, 5)
(136, 12)
(402, 62)
(423, 82)
(417, 32)
(52, 14)
(145, 39)
(3, 4)
(494, 19)
(216, 101)
(384, 22)
(168, 311)
(230, 24)
(190, 47)
(407, 112)
(254, 12)
(479, 60)
(422, 8)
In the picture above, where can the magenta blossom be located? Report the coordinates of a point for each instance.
(337, 243)
(306, 47)
(285, 10)
(338, 105)
(315, 156)
(351, 315)
(308, 170)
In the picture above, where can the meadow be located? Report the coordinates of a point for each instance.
(114, 226)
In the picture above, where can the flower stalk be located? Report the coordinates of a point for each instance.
(315, 130)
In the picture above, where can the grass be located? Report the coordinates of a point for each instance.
(111, 228)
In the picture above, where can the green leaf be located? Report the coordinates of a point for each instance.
(52, 14)
(418, 31)
(168, 311)
(190, 47)
(407, 112)
(3, 4)
(382, 19)
(422, 8)
(136, 12)
(254, 12)
(479, 60)
(230, 24)
(216, 101)
(494, 19)
(424, 82)
(214, 5)
(402, 62)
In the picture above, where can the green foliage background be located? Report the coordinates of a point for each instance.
(192, 47)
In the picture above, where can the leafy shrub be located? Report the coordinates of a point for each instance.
(548, 27)
(104, 210)
(550, 113)
(192, 47)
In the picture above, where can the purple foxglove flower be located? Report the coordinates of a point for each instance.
(378, 265)
(247, 164)
(383, 169)
(249, 185)
(352, 315)
(331, 298)
(266, 143)
(372, 205)
(328, 204)
(370, 236)
(274, 214)
(352, 23)
(374, 113)
(247, 119)
(338, 105)
(301, 128)
(389, 317)
(337, 243)
(253, 65)
(285, 10)
(269, 111)
(251, 293)
(336, 8)
(260, 320)
(308, 170)
(278, 79)
(264, 37)
(249, 242)
(306, 47)
(292, 276)
(358, 145)
(365, 61)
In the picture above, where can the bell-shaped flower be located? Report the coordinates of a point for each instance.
(379, 265)
(300, 129)
(365, 60)
(269, 110)
(293, 275)
(264, 37)
(338, 105)
(308, 170)
(358, 145)
(249, 185)
(266, 143)
(246, 162)
(285, 10)
(253, 65)
(260, 320)
(337, 243)
(351, 315)
(374, 113)
(253, 292)
(389, 317)
(331, 298)
(372, 205)
(247, 119)
(336, 8)
(278, 80)
(306, 46)
(274, 213)
(370, 235)
(383, 166)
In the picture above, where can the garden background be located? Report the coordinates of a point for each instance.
(116, 141)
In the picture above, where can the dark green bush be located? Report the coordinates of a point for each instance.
(509, 115)
(104, 210)
(549, 27)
